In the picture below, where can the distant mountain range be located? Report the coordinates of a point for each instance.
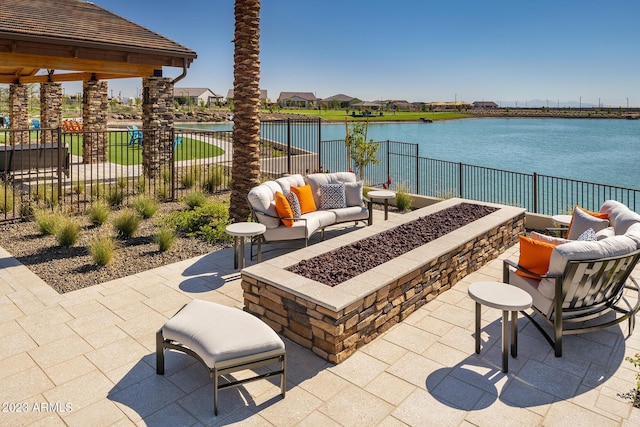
(538, 103)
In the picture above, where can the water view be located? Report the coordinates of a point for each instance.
(602, 151)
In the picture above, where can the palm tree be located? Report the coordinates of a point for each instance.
(245, 170)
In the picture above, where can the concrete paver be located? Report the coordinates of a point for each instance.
(87, 358)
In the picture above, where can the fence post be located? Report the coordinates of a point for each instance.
(172, 159)
(288, 146)
(319, 145)
(385, 179)
(61, 156)
(535, 192)
(460, 179)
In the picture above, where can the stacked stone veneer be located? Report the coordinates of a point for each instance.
(50, 110)
(335, 334)
(95, 108)
(19, 112)
(158, 117)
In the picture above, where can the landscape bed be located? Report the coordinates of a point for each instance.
(334, 321)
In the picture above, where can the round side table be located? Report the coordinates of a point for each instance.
(507, 298)
(240, 230)
(564, 220)
(384, 195)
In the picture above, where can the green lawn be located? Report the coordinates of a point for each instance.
(122, 153)
(340, 115)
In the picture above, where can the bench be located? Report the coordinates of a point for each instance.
(34, 156)
(224, 340)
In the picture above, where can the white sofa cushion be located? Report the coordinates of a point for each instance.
(351, 213)
(548, 239)
(286, 182)
(261, 199)
(620, 216)
(583, 250)
(314, 221)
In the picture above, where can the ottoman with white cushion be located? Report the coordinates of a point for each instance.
(225, 340)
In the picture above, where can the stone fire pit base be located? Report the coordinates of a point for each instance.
(334, 322)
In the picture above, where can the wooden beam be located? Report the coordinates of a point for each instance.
(8, 59)
(64, 77)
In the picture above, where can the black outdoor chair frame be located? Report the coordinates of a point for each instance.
(607, 279)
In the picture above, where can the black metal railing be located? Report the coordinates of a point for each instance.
(54, 167)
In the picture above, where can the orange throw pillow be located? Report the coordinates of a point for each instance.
(600, 215)
(284, 209)
(534, 256)
(305, 196)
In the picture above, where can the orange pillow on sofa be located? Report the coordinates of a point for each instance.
(534, 256)
(284, 209)
(305, 196)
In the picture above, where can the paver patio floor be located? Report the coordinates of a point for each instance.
(88, 358)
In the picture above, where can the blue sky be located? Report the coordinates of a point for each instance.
(418, 50)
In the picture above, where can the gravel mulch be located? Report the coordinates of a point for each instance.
(68, 269)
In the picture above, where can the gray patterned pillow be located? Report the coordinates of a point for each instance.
(589, 235)
(332, 196)
(294, 203)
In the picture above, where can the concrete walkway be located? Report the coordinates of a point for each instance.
(88, 358)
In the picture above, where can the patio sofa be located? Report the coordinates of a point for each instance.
(262, 201)
(583, 288)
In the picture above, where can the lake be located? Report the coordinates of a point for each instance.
(595, 150)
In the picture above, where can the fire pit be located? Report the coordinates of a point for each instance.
(333, 321)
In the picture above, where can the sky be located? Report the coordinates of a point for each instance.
(552, 52)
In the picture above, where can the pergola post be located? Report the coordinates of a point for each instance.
(50, 109)
(19, 112)
(157, 123)
(95, 108)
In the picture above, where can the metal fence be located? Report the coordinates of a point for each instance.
(53, 167)
(537, 193)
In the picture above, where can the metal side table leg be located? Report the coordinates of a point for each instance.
(505, 341)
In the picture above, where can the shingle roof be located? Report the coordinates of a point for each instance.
(80, 21)
(339, 97)
(308, 96)
(192, 91)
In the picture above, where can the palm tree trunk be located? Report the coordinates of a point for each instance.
(246, 103)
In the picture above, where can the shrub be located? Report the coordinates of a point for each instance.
(122, 183)
(6, 197)
(47, 221)
(68, 232)
(214, 178)
(145, 206)
(115, 195)
(165, 238)
(99, 213)
(208, 221)
(47, 194)
(190, 176)
(102, 250)
(126, 223)
(166, 174)
(141, 184)
(78, 187)
(194, 199)
(403, 199)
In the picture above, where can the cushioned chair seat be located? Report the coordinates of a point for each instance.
(224, 339)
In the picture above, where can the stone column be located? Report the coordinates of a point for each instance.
(19, 112)
(157, 124)
(95, 108)
(50, 110)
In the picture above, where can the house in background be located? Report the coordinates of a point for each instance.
(264, 100)
(195, 96)
(339, 101)
(297, 99)
(485, 104)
